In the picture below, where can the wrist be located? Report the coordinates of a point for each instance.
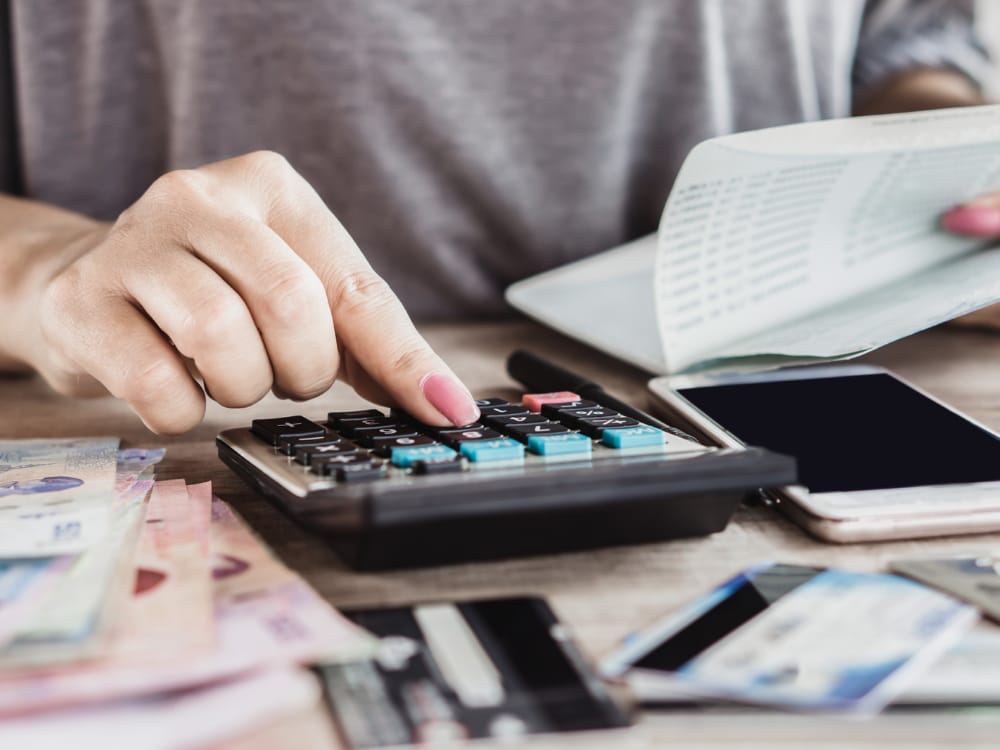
(30, 258)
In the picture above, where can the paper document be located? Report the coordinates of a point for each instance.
(810, 241)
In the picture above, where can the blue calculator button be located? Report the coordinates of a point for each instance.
(557, 445)
(632, 437)
(405, 456)
(492, 450)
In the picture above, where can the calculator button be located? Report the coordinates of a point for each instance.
(352, 427)
(552, 411)
(384, 446)
(273, 431)
(524, 431)
(484, 402)
(504, 410)
(405, 456)
(328, 465)
(573, 417)
(632, 437)
(560, 444)
(367, 436)
(400, 417)
(359, 471)
(535, 401)
(309, 453)
(438, 466)
(454, 438)
(500, 422)
(436, 430)
(335, 418)
(595, 426)
(288, 446)
(492, 450)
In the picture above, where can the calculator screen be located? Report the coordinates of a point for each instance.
(856, 432)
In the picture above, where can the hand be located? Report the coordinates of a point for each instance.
(977, 218)
(239, 268)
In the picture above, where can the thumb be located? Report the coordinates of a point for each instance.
(976, 218)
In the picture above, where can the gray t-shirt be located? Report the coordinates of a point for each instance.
(464, 143)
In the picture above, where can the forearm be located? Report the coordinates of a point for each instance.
(919, 89)
(36, 241)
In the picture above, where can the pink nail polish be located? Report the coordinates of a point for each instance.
(449, 397)
(976, 221)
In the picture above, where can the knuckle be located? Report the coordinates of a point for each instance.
(267, 162)
(126, 228)
(361, 292)
(176, 421)
(152, 384)
(302, 388)
(212, 324)
(180, 185)
(161, 399)
(409, 358)
(238, 398)
(286, 298)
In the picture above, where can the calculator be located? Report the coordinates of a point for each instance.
(548, 473)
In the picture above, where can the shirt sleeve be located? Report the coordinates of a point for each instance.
(897, 35)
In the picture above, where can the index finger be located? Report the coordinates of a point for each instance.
(375, 328)
(369, 320)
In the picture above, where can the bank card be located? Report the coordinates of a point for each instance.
(834, 640)
(446, 673)
(965, 675)
(971, 578)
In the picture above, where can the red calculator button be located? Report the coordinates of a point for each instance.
(534, 401)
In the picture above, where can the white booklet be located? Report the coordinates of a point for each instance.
(799, 243)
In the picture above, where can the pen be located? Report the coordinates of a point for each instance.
(540, 375)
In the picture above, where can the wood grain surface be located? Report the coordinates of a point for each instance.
(601, 594)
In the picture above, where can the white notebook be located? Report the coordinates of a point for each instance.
(800, 243)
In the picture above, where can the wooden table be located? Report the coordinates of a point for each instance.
(601, 594)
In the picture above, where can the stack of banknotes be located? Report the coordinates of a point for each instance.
(129, 605)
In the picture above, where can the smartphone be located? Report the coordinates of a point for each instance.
(878, 458)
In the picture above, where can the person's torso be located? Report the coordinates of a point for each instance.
(464, 143)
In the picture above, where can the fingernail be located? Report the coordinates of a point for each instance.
(449, 397)
(977, 221)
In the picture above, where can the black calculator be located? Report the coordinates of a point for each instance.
(548, 473)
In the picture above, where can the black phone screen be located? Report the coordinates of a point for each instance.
(855, 432)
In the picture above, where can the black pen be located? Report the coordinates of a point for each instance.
(541, 376)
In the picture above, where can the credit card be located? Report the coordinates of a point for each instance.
(972, 579)
(965, 675)
(821, 640)
(446, 672)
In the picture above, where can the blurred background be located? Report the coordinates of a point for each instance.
(989, 26)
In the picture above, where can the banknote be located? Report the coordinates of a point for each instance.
(264, 615)
(262, 605)
(55, 495)
(195, 718)
(24, 584)
(69, 622)
(169, 615)
(137, 459)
